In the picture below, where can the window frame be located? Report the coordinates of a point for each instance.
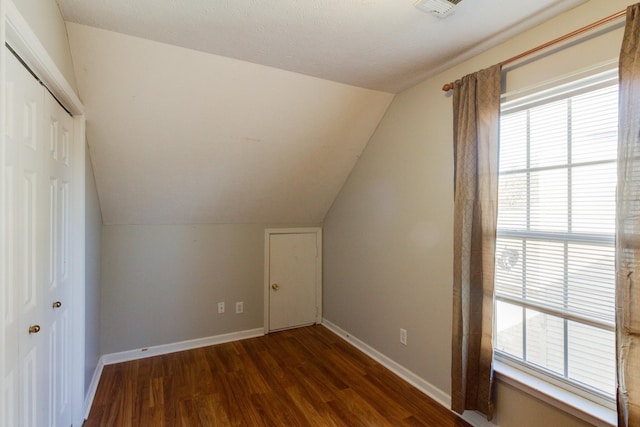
(526, 375)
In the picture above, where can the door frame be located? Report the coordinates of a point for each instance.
(267, 286)
(16, 32)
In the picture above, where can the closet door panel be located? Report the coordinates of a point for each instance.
(58, 291)
(10, 292)
(27, 323)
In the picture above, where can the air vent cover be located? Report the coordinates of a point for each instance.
(439, 8)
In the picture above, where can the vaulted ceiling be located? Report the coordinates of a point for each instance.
(246, 111)
(180, 136)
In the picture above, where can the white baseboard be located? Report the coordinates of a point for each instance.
(476, 419)
(420, 383)
(93, 387)
(141, 353)
(158, 350)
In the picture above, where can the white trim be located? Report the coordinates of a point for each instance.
(3, 282)
(604, 67)
(26, 44)
(303, 230)
(555, 396)
(265, 285)
(93, 387)
(292, 230)
(473, 418)
(78, 267)
(141, 353)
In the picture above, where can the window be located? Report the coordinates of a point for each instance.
(556, 226)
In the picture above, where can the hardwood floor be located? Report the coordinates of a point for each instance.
(300, 377)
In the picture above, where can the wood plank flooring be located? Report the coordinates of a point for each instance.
(300, 377)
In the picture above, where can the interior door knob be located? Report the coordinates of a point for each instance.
(57, 304)
(275, 287)
(34, 329)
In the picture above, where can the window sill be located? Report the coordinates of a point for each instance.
(564, 400)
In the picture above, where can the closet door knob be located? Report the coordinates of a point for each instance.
(57, 304)
(34, 329)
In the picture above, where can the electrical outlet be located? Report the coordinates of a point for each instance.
(239, 307)
(220, 307)
(403, 336)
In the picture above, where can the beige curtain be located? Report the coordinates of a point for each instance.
(476, 109)
(628, 227)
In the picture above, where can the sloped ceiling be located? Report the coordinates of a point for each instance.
(180, 136)
(243, 111)
(385, 45)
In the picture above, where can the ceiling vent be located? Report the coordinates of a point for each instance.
(439, 8)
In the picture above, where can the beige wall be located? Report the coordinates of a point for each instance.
(518, 409)
(93, 234)
(161, 283)
(388, 237)
(45, 20)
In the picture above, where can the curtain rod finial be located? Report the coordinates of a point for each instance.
(447, 87)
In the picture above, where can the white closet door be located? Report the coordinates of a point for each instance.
(58, 126)
(36, 193)
(26, 187)
(11, 270)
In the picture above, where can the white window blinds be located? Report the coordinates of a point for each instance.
(556, 227)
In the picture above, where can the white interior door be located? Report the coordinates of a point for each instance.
(293, 279)
(36, 252)
(59, 130)
(26, 224)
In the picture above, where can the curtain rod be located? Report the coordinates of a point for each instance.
(449, 86)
